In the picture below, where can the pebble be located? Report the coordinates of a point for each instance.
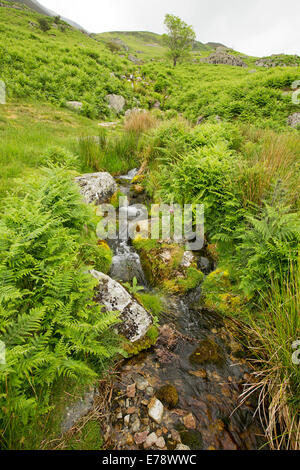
(156, 410)
(136, 425)
(127, 420)
(175, 435)
(140, 437)
(189, 421)
(131, 389)
(160, 443)
(149, 391)
(151, 440)
(119, 416)
(182, 447)
(131, 410)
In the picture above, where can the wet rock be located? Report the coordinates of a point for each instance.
(149, 391)
(168, 395)
(130, 440)
(131, 410)
(136, 321)
(131, 389)
(156, 410)
(175, 435)
(207, 352)
(187, 259)
(142, 384)
(182, 447)
(140, 437)
(189, 421)
(202, 374)
(116, 102)
(96, 187)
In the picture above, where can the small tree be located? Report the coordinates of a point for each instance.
(179, 39)
(44, 24)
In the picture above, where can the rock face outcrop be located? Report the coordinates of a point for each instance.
(116, 102)
(220, 57)
(294, 120)
(136, 321)
(96, 187)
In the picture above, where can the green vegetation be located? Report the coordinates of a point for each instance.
(49, 323)
(179, 38)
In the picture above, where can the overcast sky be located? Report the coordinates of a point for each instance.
(255, 27)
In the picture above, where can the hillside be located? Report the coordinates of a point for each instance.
(143, 44)
(38, 8)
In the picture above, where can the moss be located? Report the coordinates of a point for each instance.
(151, 302)
(138, 179)
(191, 438)
(162, 266)
(168, 395)
(98, 255)
(221, 295)
(149, 340)
(207, 352)
(114, 201)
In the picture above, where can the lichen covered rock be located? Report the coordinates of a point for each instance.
(96, 188)
(136, 321)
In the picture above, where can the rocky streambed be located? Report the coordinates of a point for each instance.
(184, 391)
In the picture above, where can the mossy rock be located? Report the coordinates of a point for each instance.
(168, 395)
(114, 201)
(138, 179)
(191, 438)
(207, 352)
(162, 266)
(149, 340)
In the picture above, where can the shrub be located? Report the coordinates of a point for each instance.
(59, 157)
(44, 24)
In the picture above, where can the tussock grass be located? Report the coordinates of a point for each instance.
(278, 378)
(139, 122)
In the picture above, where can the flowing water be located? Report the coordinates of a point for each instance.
(209, 391)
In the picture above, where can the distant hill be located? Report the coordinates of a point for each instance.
(143, 44)
(36, 6)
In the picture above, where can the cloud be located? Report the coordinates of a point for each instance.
(259, 27)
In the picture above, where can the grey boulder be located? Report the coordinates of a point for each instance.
(96, 187)
(116, 102)
(136, 321)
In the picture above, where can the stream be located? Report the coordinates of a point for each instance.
(209, 414)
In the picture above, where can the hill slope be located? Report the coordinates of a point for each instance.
(38, 8)
(145, 44)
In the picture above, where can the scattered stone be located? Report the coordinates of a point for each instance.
(189, 421)
(116, 102)
(74, 105)
(119, 416)
(141, 437)
(182, 447)
(156, 410)
(145, 402)
(142, 384)
(96, 187)
(136, 425)
(294, 120)
(151, 440)
(127, 420)
(175, 435)
(160, 443)
(149, 391)
(131, 390)
(221, 57)
(131, 410)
